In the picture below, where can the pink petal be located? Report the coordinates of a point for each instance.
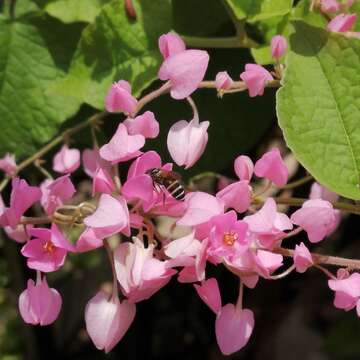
(88, 240)
(146, 161)
(209, 292)
(342, 23)
(278, 46)
(318, 191)
(92, 161)
(255, 78)
(102, 182)
(59, 240)
(244, 167)
(119, 98)
(223, 81)
(66, 160)
(171, 44)
(302, 258)
(330, 6)
(8, 164)
(233, 328)
(236, 196)
(145, 125)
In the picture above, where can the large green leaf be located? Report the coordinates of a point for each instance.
(319, 106)
(115, 47)
(29, 115)
(256, 10)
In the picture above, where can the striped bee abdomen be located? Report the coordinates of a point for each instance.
(175, 189)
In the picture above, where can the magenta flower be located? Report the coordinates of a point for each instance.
(255, 78)
(329, 6)
(244, 167)
(347, 292)
(22, 198)
(107, 320)
(271, 166)
(102, 182)
(39, 304)
(317, 217)
(8, 164)
(122, 146)
(223, 81)
(92, 161)
(110, 217)
(140, 274)
(47, 252)
(66, 160)
(55, 192)
(186, 141)
(185, 71)
(236, 196)
(209, 293)
(302, 258)
(171, 44)
(119, 98)
(342, 23)
(278, 46)
(145, 125)
(233, 328)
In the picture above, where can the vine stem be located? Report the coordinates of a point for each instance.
(110, 255)
(297, 183)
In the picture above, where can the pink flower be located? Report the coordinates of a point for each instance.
(278, 46)
(171, 44)
(102, 182)
(92, 161)
(342, 23)
(267, 224)
(316, 217)
(186, 141)
(244, 167)
(347, 292)
(145, 125)
(185, 71)
(302, 258)
(223, 81)
(318, 191)
(233, 328)
(209, 292)
(236, 196)
(330, 6)
(22, 198)
(55, 192)
(110, 217)
(47, 252)
(271, 166)
(255, 78)
(39, 304)
(119, 98)
(140, 274)
(122, 146)
(8, 164)
(186, 246)
(89, 240)
(66, 160)
(19, 233)
(201, 207)
(107, 320)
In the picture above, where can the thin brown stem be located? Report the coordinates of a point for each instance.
(35, 220)
(297, 183)
(112, 264)
(325, 271)
(283, 274)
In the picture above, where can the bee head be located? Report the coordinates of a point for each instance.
(152, 172)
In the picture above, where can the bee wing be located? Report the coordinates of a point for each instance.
(174, 175)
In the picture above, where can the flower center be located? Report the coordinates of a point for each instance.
(229, 238)
(49, 247)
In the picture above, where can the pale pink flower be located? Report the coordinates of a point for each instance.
(55, 192)
(342, 23)
(110, 217)
(8, 164)
(119, 98)
(236, 195)
(233, 328)
(140, 274)
(66, 160)
(330, 6)
(271, 166)
(144, 124)
(317, 217)
(186, 141)
(122, 146)
(278, 46)
(171, 44)
(318, 191)
(22, 198)
(302, 258)
(347, 292)
(209, 293)
(92, 160)
(107, 320)
(223, 81)
(89, 240)
(267, 262)
(255, 78)
(244, 167)
(47, 252)
(39, 304)
(186, 246)
(102, 182)
(19, 233)
(185, 71)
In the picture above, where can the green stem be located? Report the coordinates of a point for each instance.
(228, 42)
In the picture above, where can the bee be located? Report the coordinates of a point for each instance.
(170, 180)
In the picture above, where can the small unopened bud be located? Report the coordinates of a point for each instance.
(278, 46)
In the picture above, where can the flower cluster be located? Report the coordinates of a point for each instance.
(237, 227)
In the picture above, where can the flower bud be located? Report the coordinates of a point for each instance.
(171, 44)
(255, 78)
(342, 23)
(244, 167)
(119, 98)
(66, 160)
(278, 46)
(223, 81)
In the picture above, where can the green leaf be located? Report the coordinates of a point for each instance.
(319, 107)
(29, 115)
(70, 11)
(115, 47)
(256, 10)
(302, 12)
